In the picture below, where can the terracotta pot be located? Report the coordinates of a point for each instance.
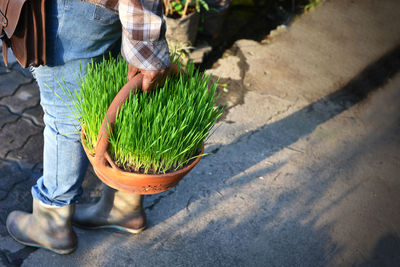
(116, 178)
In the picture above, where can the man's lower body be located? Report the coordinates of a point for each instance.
(77, 33)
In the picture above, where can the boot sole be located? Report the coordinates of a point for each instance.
(58, 251)
(113, 227)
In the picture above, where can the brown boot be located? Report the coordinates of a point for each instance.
(115, 209)
(47, 227)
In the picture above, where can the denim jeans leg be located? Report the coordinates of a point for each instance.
(64, 161)
(78, 32)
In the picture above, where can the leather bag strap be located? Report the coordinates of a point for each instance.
(22, 28)
(11, 11)
(5, 50)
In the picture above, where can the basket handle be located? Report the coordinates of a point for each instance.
(132, 85)
(109, 120)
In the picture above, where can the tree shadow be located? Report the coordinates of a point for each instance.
(260, 233)
(224, 184)
(278, 223)
(385, 253)
(271, 138)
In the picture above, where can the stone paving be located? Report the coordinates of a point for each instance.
(21, 128)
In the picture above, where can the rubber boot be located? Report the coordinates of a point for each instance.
(46, 227)
(114, 210)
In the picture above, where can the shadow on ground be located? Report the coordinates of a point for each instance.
(270, 139)
(262, 234)
(386, 252)
(287, 131)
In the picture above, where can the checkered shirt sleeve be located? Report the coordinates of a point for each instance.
(143, 34)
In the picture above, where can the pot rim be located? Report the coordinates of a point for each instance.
(116, 168)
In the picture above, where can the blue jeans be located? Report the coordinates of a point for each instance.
(77, 32)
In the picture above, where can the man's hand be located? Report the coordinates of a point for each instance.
(151, 78)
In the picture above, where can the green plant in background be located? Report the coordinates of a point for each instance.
(182, 8)
(311, 5)
(180, 48)
(154, 132)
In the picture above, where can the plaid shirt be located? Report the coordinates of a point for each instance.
(143, 32)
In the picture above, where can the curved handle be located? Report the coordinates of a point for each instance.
(109, 120)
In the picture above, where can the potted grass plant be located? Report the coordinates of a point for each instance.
(182, 19)
(143, 142)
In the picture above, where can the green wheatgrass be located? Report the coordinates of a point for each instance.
(154, 132)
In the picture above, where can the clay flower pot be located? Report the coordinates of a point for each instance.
(116, 178)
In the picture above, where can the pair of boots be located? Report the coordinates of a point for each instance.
(50, 227)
